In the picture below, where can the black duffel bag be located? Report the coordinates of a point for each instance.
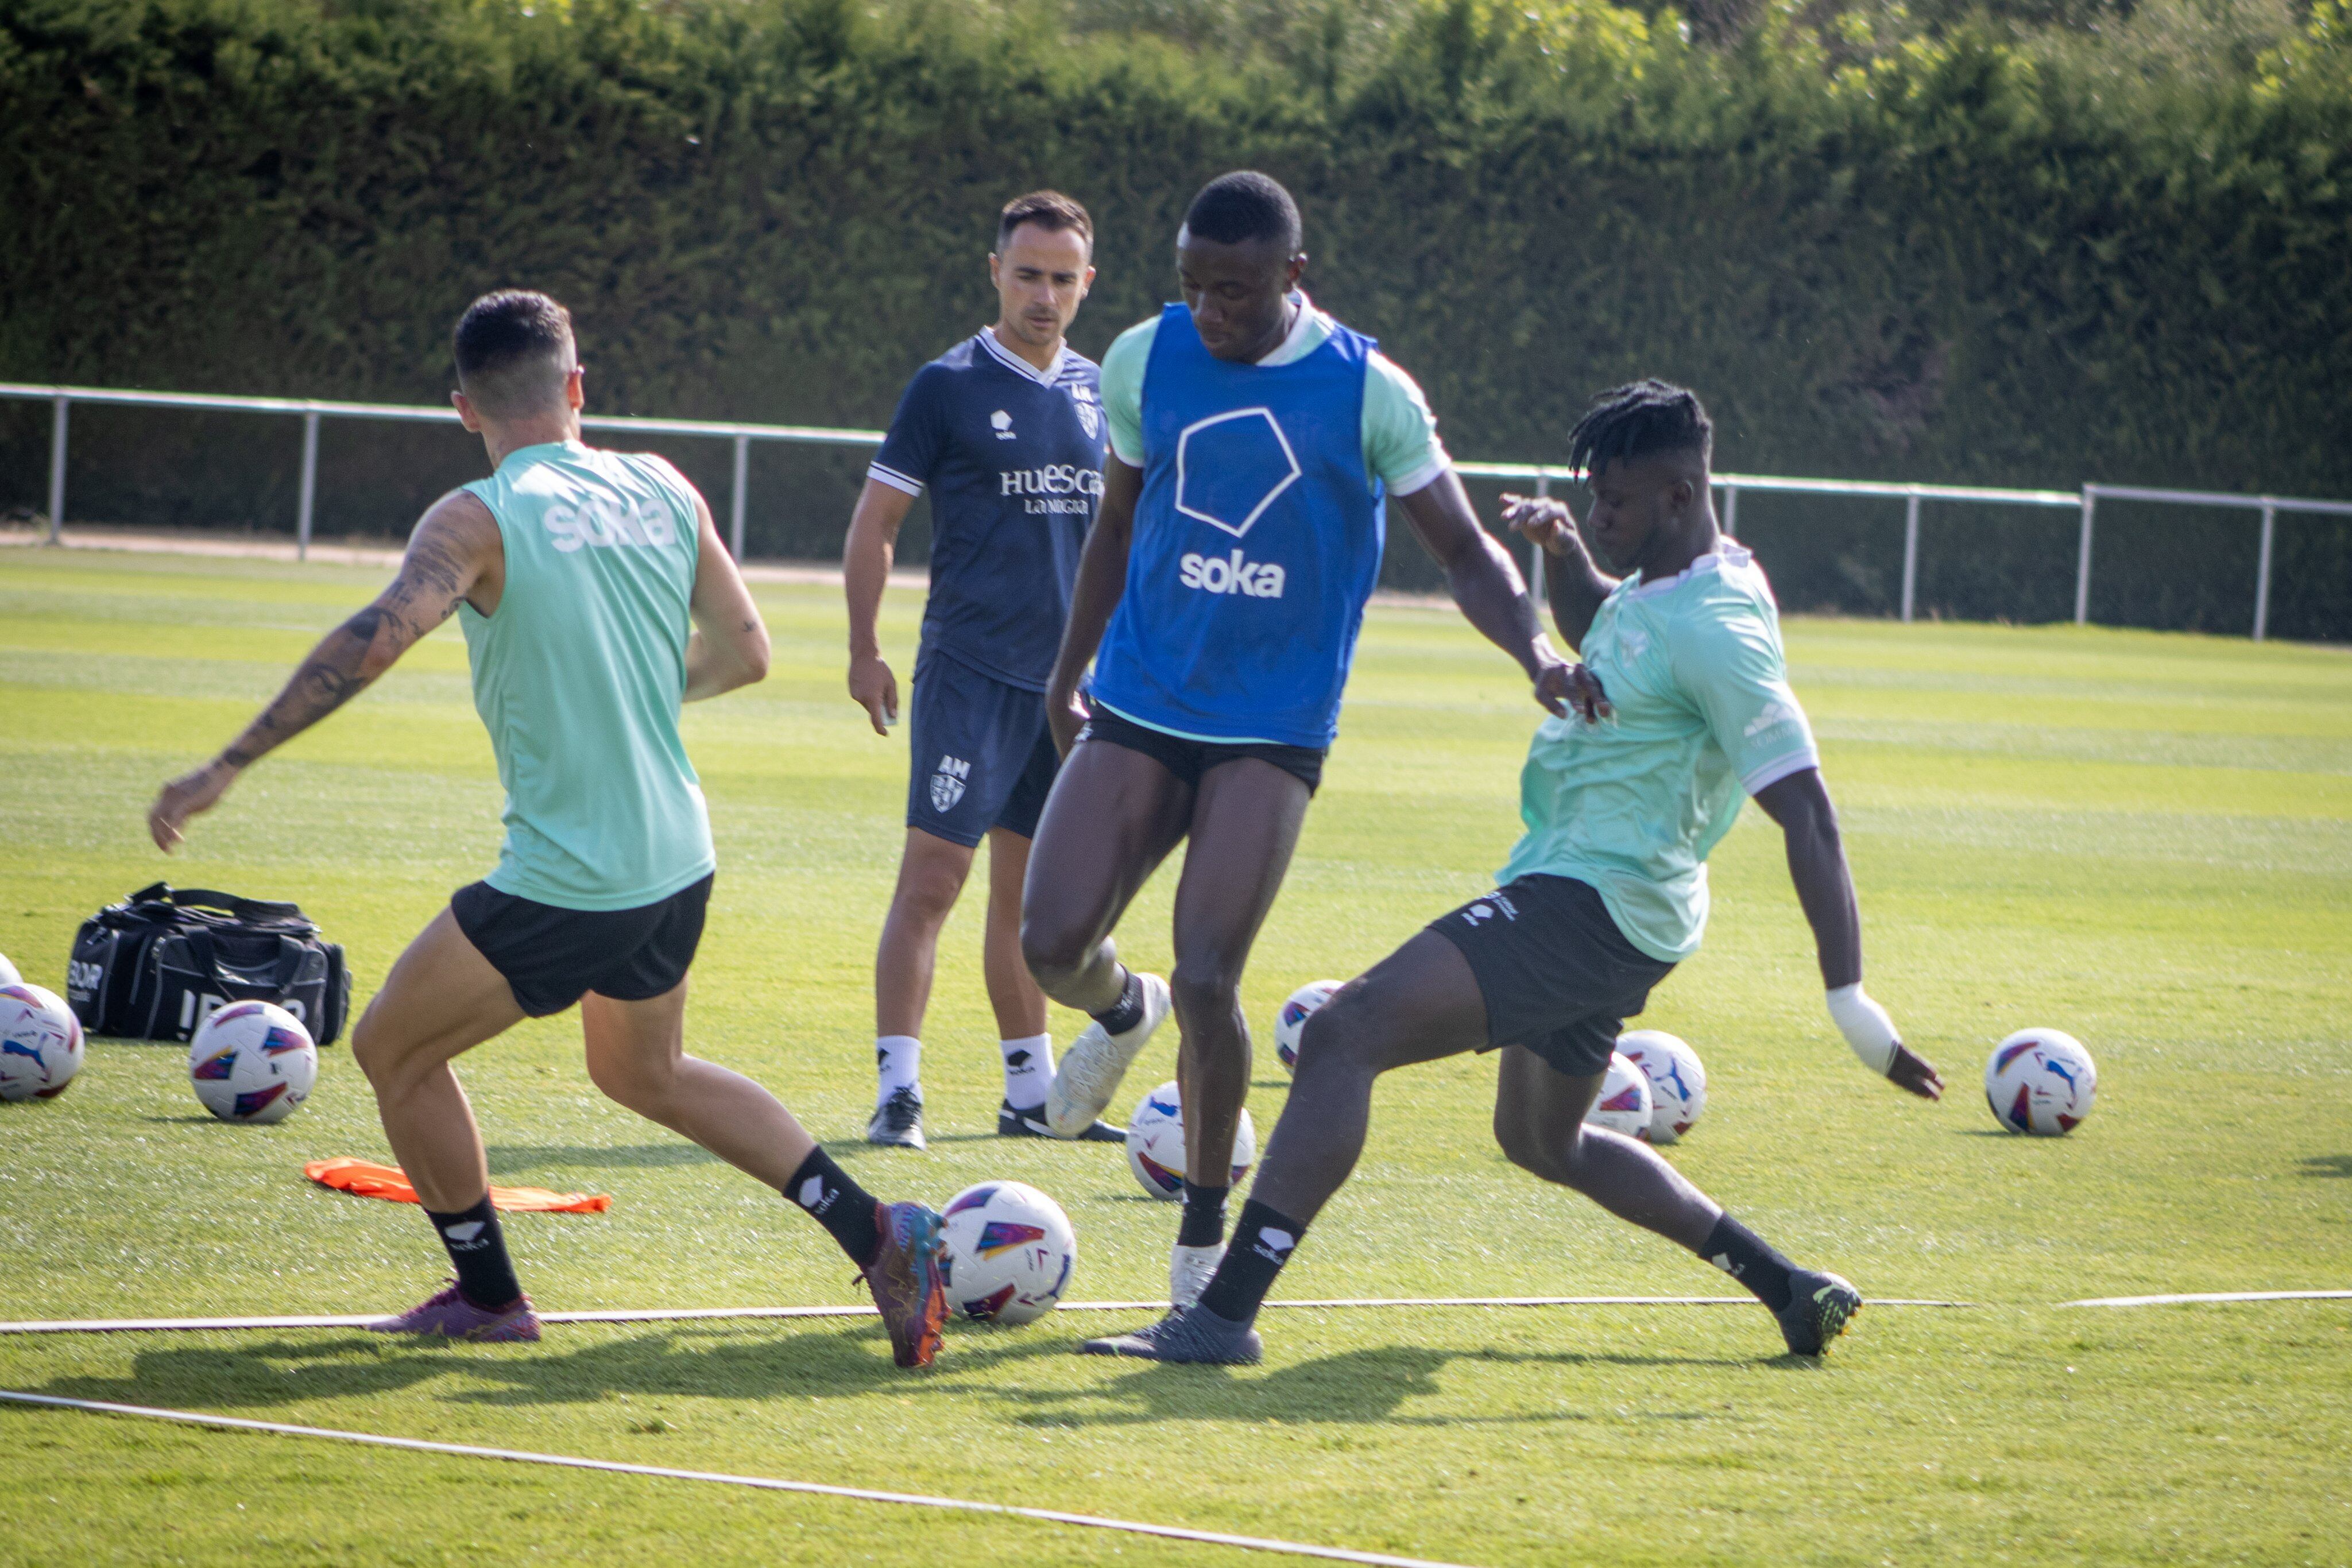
(155, 966)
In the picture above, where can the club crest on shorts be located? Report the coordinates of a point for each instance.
(948, 783)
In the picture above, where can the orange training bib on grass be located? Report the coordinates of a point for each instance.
(387, 1182)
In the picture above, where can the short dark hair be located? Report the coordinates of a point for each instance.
(1049, 210)
(1640, 419)
(1245, 205)
(513, 349)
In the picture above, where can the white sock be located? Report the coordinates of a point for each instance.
(899, 1060)
(1028, 1070)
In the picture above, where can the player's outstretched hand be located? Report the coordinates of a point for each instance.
(1561, 686)
(1869, 1029)
(1548, 522)
(1915, 1073)
(874, 688)
(186, 795)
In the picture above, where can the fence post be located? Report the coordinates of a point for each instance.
(1910, 554)
(735, 505)
(2083, 561)
(1731, 510)
(56, 466)
(309, 483)
(2263, 577)
(1536, 580)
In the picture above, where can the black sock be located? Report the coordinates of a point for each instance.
(1204, 1216)
(1128, 1012)
(1263, 1242)
(844, 1208)
(1750, 1259)
(478, 1250)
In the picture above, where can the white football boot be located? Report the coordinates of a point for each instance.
(1190, 1269)
(1091, 1069)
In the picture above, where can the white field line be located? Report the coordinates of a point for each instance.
(763, 1483)
(2214, 1296)
(683, 1314)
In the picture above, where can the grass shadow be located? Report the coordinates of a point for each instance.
(508, 1158)
(687, 1363)
(2328, 1166)
(1351, 1388)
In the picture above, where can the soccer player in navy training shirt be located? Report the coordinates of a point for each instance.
(1255, 440)
(1005, 430)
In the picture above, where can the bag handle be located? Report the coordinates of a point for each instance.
(212, 898)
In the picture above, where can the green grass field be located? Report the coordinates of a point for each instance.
(2144, 839)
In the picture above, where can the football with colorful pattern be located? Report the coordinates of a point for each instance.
(40, 1043)
(252, 1062)
(1624, 1104)
(1010, 1253)
(1155, 1143)
(2040, 1081)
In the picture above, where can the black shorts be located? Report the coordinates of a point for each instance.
(1188, 759)
(552, 957)
(983, 755)
(1558, 975)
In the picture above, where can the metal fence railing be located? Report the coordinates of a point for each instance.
(312, 410)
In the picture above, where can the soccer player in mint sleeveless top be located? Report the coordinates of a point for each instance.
(595, 599)
(1682, 708)
(1005, 432)
(1255, 444)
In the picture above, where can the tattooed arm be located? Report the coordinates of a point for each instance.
(454, 555)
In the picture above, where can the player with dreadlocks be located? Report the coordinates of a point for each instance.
(1682, 703)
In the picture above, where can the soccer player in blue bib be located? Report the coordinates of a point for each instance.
(1005, 430)
(1681, 709)
(1255, 444)
(595, 599)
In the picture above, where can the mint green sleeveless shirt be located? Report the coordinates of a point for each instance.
(579, 674)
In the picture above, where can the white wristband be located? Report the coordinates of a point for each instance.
(1866, 1027)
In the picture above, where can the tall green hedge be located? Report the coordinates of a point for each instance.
(1949, 257)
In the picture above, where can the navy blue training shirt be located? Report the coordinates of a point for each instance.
(1013, 458)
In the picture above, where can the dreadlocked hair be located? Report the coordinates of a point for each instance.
(1638, 420)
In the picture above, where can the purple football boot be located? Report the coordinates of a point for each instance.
(909, 1282)
(451, 1316)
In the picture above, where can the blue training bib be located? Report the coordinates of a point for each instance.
(1257, 541)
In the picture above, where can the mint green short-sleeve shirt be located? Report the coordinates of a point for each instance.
(1703, 716)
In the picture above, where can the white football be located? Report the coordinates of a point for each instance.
(252, 1061)
(1291, 1021)
(1677, 1080)
(1155, 1143)
(8, 975)
(2041, 1080)
(40, 1043)
(1011, 1252)
(1624, 1103)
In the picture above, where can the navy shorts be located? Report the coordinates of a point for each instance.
(1557, 975)
(552, 957)
(983, 755)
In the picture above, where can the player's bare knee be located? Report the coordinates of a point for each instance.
(1055, 953)
(375, 1047)
(1533, 1149)
(628, 1081)
(1205, 987)
(928, 892)
(1343, 1036)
